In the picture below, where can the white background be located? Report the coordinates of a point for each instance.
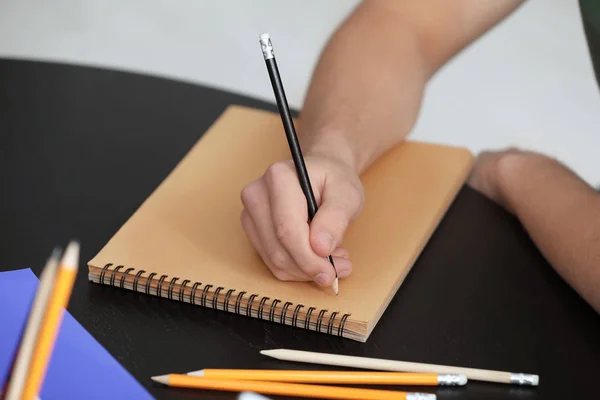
(528, 83)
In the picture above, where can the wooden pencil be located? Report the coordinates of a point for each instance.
(392, 365)
(290, 131)
(61, 292)
(287, 389)
(38, 308)
(335, 377)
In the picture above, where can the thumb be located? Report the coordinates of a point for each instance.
(340, 204)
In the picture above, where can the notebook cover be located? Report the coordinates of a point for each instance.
(189, 227)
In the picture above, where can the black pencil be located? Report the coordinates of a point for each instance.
(290, 132)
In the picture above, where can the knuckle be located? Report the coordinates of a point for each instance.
(356, 197)
(249, 194)
(276, 171)
(279, 260)
(283, 230)
(281, 275)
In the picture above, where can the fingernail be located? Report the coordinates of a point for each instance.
(344, 273)
(326, 240)
(343, 267)
(323, 279)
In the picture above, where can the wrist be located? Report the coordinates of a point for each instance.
(510, 171)
(334, 144)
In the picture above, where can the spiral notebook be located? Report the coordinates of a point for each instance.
(186, 243)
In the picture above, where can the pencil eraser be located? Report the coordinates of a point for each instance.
(266, 46)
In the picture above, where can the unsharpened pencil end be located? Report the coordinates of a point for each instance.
(164, 379)
(266, 46)
(71, 257)
(420, 396)
(264, 37)
(336, 286)
(196, 373)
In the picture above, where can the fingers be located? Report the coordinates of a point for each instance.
(289, 218)
(341, 203)
(252, 234)
(341, 259)
(257, 222)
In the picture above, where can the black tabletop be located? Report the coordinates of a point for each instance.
(80, 150)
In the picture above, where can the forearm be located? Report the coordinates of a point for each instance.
(561, 213)
(366, 90)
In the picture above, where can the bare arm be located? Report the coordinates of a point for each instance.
(364, 97)
(366, 90)
(560, 212)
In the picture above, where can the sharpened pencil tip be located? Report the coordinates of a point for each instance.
(269, 353)
(336, 286)
(200, 372)
(55, 255)
(164, 379)
(71, 257)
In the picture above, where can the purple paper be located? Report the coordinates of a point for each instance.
(80, 368)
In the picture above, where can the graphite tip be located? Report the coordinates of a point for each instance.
(336, 286)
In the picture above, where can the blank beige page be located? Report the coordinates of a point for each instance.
(189, 227)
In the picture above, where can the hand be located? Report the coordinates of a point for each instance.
(275, 218)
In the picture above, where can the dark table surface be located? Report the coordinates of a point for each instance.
(80, 150)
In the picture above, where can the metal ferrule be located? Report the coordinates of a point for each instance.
(451, 380)
(420, 396)
(524, 379)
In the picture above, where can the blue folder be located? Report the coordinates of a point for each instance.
(80, 368)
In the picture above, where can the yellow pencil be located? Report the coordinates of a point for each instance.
(335, 377)
(34, 321)
(288, 389)
(61, 292)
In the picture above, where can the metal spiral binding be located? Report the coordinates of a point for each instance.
(161, 280)
(136, 279)
(249, 309)
(124, 277)
(171, 285)
(238, 303)
(321, 326)
(227, 296)
(182, 289)
(215, 300)
(295, 316)
(203, 297)
(272, 309)
(284, 312)
(193, 293)
(320, 319)
(261, 307)
(307, 320)
(148, 281)
(114, 275)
